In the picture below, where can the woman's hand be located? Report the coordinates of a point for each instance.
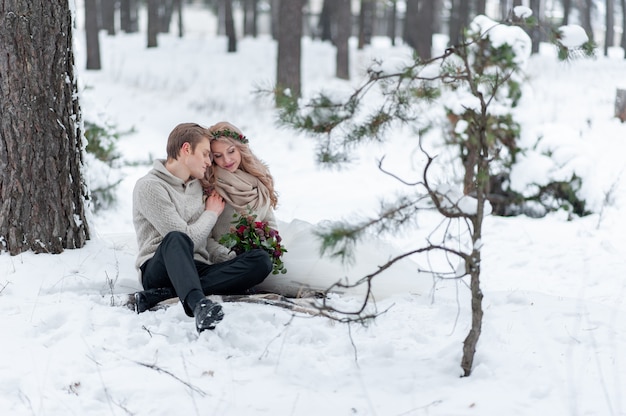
(215, 203)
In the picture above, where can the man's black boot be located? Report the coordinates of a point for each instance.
(149, 298)
(207, 314)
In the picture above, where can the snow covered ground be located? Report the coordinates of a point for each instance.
(554, 338)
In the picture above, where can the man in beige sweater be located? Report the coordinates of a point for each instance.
(173, 223)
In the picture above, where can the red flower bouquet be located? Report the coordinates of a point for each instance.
(247, 234)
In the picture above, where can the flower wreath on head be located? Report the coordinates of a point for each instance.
(231, 134)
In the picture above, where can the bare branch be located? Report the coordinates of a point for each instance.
(380, 167)
(161, 370)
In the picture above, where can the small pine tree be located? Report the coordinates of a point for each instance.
(483, 76)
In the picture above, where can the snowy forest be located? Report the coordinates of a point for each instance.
(450, 179)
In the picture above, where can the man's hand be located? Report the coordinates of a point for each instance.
(215, 203)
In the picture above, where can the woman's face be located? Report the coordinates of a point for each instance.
(225, 155)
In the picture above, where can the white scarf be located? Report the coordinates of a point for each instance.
(242, 191)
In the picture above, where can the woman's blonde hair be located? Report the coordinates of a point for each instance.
(250, 163)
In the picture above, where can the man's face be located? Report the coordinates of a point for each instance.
(199, 159)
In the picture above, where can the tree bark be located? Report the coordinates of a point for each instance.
(289, 47)
(623, 41)
(459, 19)
(343, 19)
(366, 22)
(620, 104)
(392, 26)
(92, 38)
(425, 19)
(153, 23)
(129, 12)
(481, 6)
(609, 31)
(166, 10)
(42, 191)
(586, 18)
(230, 26)
(324, 23)
(471, 341)
(250, 18)
(567, 8)
(107, 9)
(535, 31)
(411, 33)
(178, 4)
(473, 263)
(438, 10)
(274, 14)
(504, 9)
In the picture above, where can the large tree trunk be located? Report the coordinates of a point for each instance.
(42, 192)
(289, 47)
(92, 31)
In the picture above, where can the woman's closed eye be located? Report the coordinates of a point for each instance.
(229, 151)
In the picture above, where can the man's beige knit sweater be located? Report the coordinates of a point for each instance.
(163, 203)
